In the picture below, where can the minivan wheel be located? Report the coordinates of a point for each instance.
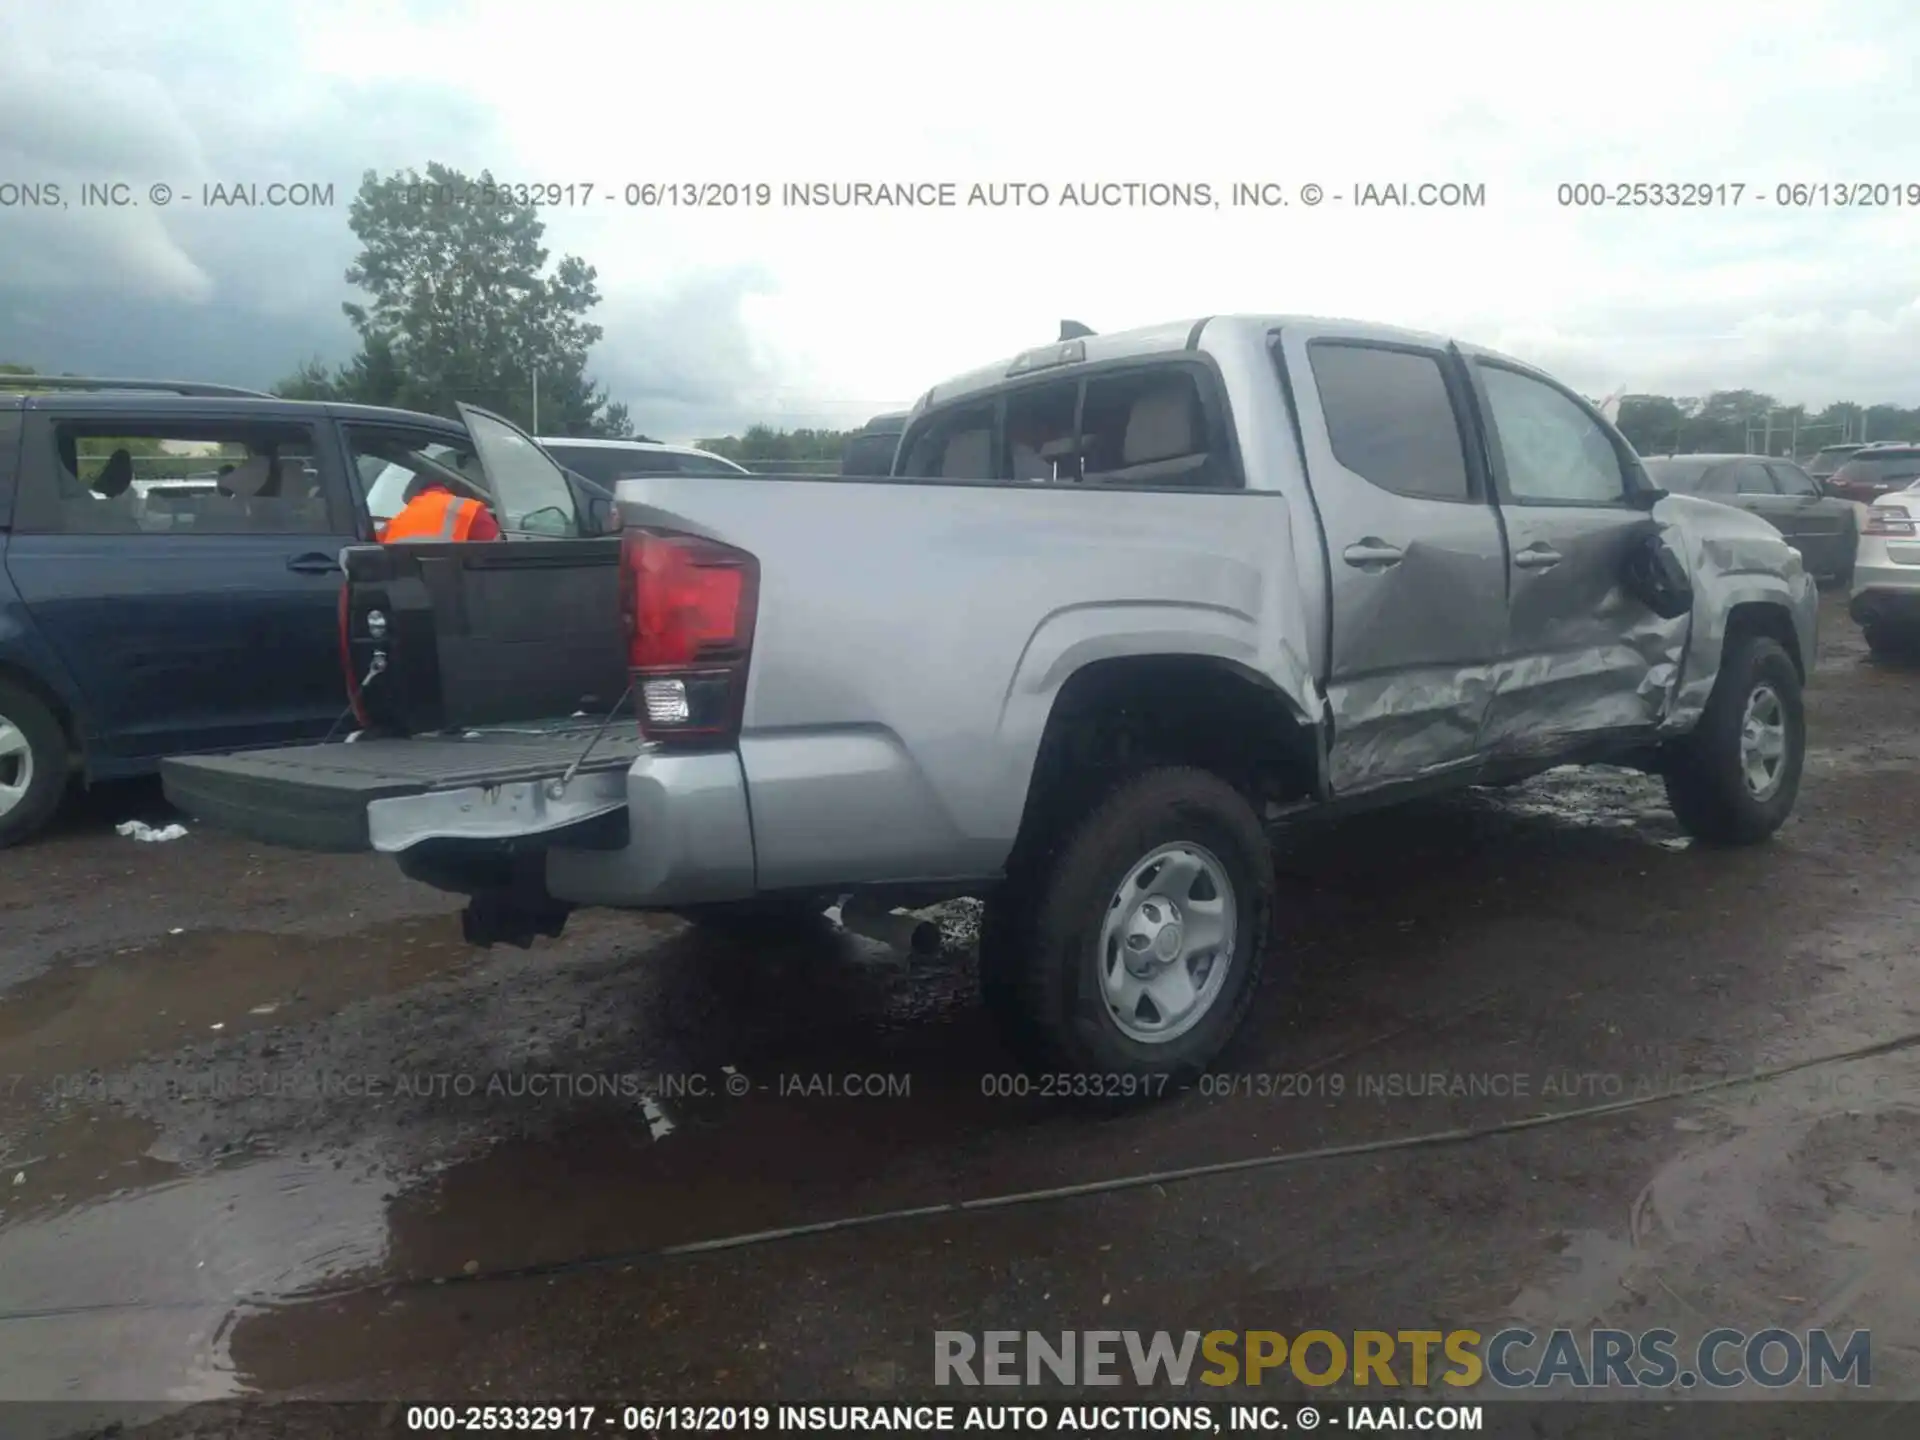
(1129, 956)
(1733, 781)
(33, 763)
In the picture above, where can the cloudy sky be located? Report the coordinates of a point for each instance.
(717, 318)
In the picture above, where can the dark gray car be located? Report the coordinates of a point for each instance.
(1824, 528)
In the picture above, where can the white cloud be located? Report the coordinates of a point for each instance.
(717, 317)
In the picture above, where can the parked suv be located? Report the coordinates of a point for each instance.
(169, 564)
(1829, 458)
(1276, 569)
(1875, 470)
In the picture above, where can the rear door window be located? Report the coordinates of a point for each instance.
(1752, 478)
(1390, 418)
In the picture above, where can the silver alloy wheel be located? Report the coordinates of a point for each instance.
(1763, 742)
(1167, 943)
(16, 765)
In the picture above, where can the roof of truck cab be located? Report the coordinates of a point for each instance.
(1171, 338)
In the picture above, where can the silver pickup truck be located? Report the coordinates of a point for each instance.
(1126, 603)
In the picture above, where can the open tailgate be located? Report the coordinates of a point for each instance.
(484, 673)
(317, 797)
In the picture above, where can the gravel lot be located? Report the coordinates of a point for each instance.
(231, 1078)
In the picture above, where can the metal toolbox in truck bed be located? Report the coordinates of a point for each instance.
(315, 797)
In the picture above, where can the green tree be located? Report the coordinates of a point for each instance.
(462, 305)
(314, 380)
(763, 447)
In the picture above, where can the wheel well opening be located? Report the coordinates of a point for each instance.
(1761, 617)
(1115, 717)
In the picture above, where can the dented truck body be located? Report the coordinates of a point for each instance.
(1331, 562)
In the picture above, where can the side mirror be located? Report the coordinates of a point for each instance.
(1645, 497)
(603, 516)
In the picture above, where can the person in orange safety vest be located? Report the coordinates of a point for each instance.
(436, 513)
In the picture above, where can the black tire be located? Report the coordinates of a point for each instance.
(1706, 776)
(1040, 954)
(43, 762)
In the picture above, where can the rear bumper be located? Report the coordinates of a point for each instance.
(632, 827)
(683, 833)
(690, 839)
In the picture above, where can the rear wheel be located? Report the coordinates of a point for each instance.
(1733, 781)
(1133, 950)
(33, 763)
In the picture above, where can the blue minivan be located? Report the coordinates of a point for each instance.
(169, 563)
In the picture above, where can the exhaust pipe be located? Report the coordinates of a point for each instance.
(901, 930)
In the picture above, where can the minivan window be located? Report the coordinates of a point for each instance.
(191, 476)
(1390, 419)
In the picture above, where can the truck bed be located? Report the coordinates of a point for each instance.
(315, 797)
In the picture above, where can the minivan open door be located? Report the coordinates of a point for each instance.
(533, 497)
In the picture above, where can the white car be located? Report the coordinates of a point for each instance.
(1886, 575)
(607, 462)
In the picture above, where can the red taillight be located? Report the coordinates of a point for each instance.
(1888, 520)
(690, 605)
(354, 698)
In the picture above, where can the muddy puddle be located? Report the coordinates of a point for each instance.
(1602, 797)
(133, 1298)
(1794, 1205)
(96, 1012)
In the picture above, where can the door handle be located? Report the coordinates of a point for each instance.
(1372, 553)
(314, 563)
(1537, 557)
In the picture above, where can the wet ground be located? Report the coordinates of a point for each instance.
(268, 1127)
